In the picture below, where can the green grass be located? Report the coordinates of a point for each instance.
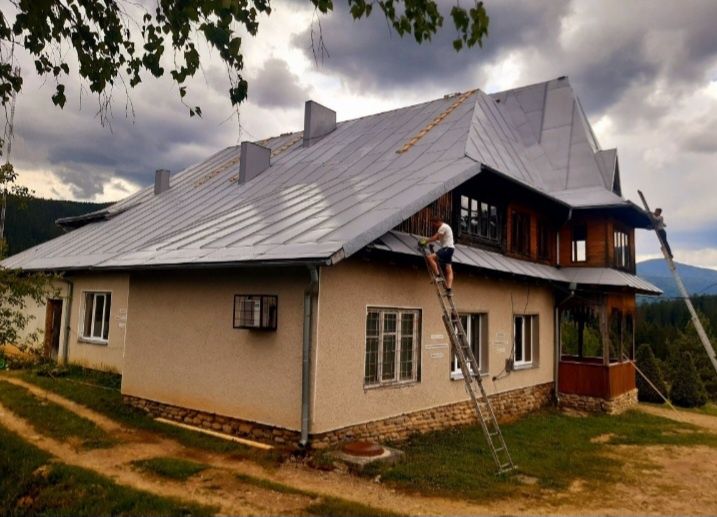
(332, 506)
(708, 409)
(554, 448)
(95, 392)
(322, 505)
(172, 468)
(52, 420)
(31, 483)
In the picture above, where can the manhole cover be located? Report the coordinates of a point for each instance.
(362, 449)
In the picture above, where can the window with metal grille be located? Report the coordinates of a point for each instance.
(255, 311)
(480, 220)
(525, 334)
(96, 323)
(520, 235)
(476, 327)
(621, 249)
(579, 243)
(392, 345)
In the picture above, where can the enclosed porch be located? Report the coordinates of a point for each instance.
(597, 346)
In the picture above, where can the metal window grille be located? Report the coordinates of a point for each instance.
(392, 341)
(255, 311)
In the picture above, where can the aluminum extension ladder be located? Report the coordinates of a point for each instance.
(685, 295)
(469, 365)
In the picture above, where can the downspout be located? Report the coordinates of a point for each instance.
(68, 312)
(309, 295)
(556, 319)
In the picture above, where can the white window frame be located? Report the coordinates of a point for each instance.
(482, 319)
(621, 249)
(534, 341)
(416, 347)
(106, 317)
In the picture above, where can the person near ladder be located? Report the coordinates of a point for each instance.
(444, 256)
(659, 223)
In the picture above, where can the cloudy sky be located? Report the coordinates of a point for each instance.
(646, 73)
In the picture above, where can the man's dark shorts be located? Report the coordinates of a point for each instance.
(445, 256)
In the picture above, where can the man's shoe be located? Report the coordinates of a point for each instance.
(449, 291)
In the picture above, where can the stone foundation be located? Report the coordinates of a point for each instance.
(507, 406)
(598, 405)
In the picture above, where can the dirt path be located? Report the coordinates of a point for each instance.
(708, 422)
(657, 479)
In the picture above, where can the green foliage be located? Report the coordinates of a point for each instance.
(17, 290)
(550, 446)
(172, 468)
(99, 397)
(104, 38)
(31, 483)
(647, 363)
(31, 220)
(53, 420)
(687, 389)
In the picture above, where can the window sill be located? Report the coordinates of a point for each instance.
(458, 376)
(527, 366)
(93, 341)
(390, 385)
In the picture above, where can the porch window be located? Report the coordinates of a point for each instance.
(476, 327)
(96, 324)
(579, 244)
(520, 238)
(526, 338)
(392, 344)
(621, 249)
(480, 219)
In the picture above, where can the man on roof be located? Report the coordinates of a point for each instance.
(659, 224)
(444, 256)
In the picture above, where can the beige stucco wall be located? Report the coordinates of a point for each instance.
(182, 350)
(106, 356)
(339, 396)
(37, 313)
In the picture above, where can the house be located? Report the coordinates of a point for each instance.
(275, 290)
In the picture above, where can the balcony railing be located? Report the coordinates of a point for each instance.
(594, 379)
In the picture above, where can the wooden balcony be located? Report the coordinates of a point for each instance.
(592, 378)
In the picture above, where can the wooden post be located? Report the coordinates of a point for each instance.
(604, 333)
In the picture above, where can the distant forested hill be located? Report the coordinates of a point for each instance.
(32, 221)
(697, 280)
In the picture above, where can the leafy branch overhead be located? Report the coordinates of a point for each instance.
(113, 45)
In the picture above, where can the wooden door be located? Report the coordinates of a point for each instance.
(53, 321)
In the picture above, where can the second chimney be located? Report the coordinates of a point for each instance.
(161, 181)
(319, 121)
(255, 159)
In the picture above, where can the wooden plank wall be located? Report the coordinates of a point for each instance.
(420, 222)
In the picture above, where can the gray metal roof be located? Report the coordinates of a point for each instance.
(327, 201)
(404, 243)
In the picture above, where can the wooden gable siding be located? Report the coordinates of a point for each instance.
(600, 250)
(420, 222)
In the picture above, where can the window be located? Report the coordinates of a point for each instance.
(621, 243)
(479, 219)
(96, 325)
(255, 311)
(580, 237)
(476, 327)
(526, 338)
(544, 240)
(520, 241)
(391, 346)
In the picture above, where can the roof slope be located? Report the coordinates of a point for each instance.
(329, 200)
